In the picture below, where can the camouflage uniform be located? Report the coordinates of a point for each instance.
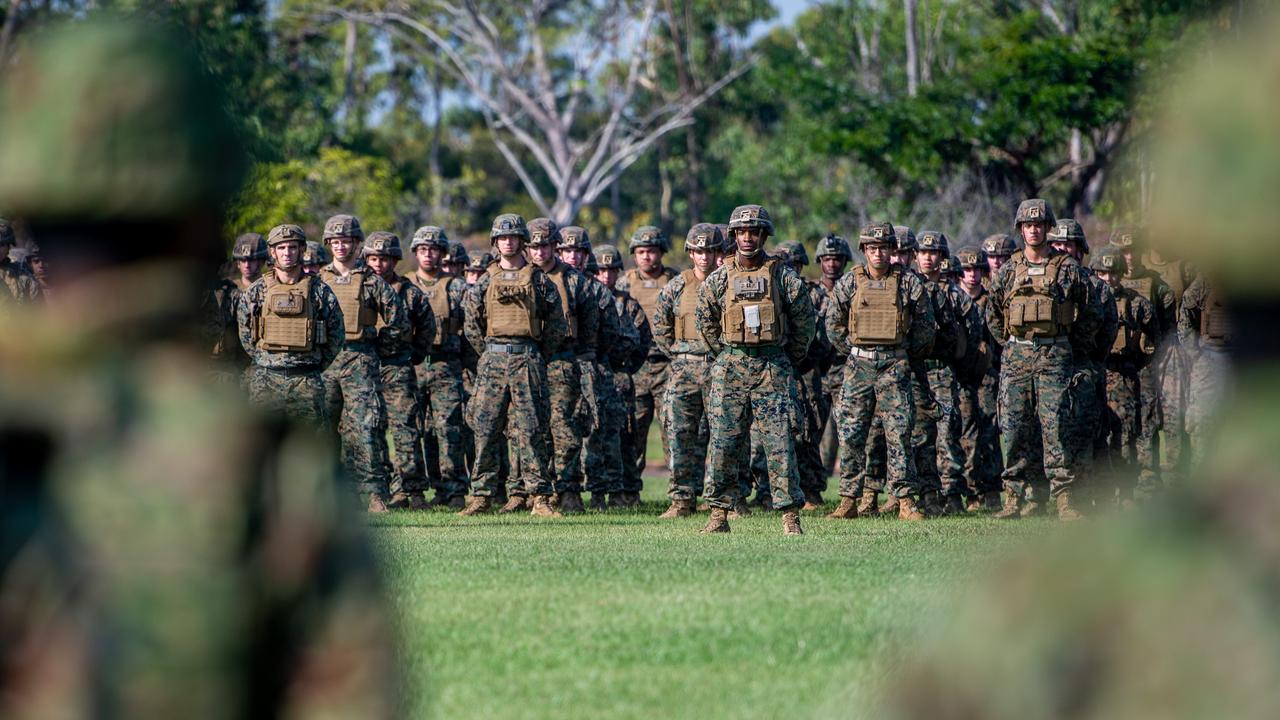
(633, 321)
(219, 313)
(397, 357)
(832, 368)
(353, 383)
(758, 322)
(980, 435)
(1038, 362)
(289, 381)
(1174, 369)
(1206, 334)
(19, 285)
(878, 374)
(440, 375)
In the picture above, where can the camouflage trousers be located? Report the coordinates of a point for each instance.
(650, 383)
(1122, 423)
(510, 404)
(684, 408)
(1035, 416)
(979, 435)
(353, 392)
(440, 385)
(813, 474)
(1209, 384)
(948, 455)
(298, 395)
(603, 419)
(877, 390)
(1173, 377)
(404, 420)
(1085, 402)
(632, 480)
(564, 391)
(752, 393)
(829, 445)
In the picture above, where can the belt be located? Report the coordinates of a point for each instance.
(754, 351)
(562, 355)
(1041, 342)
(304, 370)
(511, 348)
(691, 356)
(882, 354)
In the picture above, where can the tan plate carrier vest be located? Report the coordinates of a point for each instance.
(1129, 339)
(685, 326)
(511, 304)
(1034, 308)
(645, 290)
(356, 314)
(556, 275)
(1215, 322)
(877, 314)
(287, 322)
(437, 292)
(753, 307)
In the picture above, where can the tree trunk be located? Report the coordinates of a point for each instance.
(913, 53)
(6, 32)
(349, 72)
(433, 154)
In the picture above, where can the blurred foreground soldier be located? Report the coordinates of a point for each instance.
(20, 284)
(980, 434)
(1042, 312)
(374, 316)
(1173, 365)
(165, 550)
(315, 257)
(755, 315)
(440, 373)
(291, 326)
(644, 282)
(880, 316)
(833, 256)
(1205, 330)
(514, 320)
(684, 405)
(397, 357)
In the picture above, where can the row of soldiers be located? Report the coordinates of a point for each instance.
(536, 376)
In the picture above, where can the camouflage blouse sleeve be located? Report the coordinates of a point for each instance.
(946, 334)
(1089, 310)
(588, 313)
(613, 342)
(424, 323)
(707, 312)
(246, 311)
(334, 326)
(474, 322)
(394, 314)
(1110, 325)
(1166, 310)
(923, 324)
(664, 315)
(837, 314)
(995, 306)
(1189, 316)
(801, 315)
(554, 327)
(643, 333)
(1148, 326)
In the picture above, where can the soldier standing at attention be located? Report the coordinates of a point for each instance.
(440, 373)
(564, 381)
(1041, 310)
(833, 256)
(398, 355)
(513, 320)
(644, 282)
(249, 254)
(315, 257)
(457, 261)
(373, 314)
(980, 434)
(880, 316)
(755, 315)
(684, 404)
(998, 248)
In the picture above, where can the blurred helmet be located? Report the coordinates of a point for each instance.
(543, 232)
(793, 252)
(934, 240)
(607, 257)
(881, 233)
(1126, 237)
(382, 243)
(480, 262)
(432, 235)
(1110, 260)
(284, 233)
(316, 254)
(7, 236)
(1034, 210)
(833, 245)
(343, 226)
(573, 237)
(730, 247)
(704, 236)
(592, 266)
(971, 258)
(1068, 230)
(648, 236)
(249, 246)
(999, 245)
(508, 224)
(906, 237)
(751, 216)
(457, 254)
(951, 266)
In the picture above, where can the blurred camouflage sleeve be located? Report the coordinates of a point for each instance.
(424, 324)
(335, 328)
(247, 309)
(1110, 325)
(1189, 316)
(643, 333)
(707, 313)
(837, 314)
(1089, 310)
(995, 308)
(392, 310)
(801, 316)
(474, 322)
(554, 326)
(588, 313)
(923, 324)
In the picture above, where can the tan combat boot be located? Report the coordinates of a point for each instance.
(678, 509)
(846, 510)
(1011, 509)
(890, 506)
(542, 507)
(791, 523)
(1066, 513)
(719, 522)
(954, 506)
(974, 504)
(812, 501)
(1030, 508)
(868, 503)
(907, 509)
(740, 510)
(571, 502)
(598, 501)
(376, 504)
(399, 500)
(515, 503)
(477, 505)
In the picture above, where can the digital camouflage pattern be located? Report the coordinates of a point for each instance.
(601, 406)
(441, 387)
(566, 382)
(684, 404)
(400, 388)
(650, 381)
(1131, 452)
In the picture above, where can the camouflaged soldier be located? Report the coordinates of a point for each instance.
(833, 256)
(564, 379)
(291, 326)
(315, 257)
(249, 253)
(457, 260)
(879, 316)
(997, 249)
(513, 320)
(1206, 332)
(1173, 365)
(1157, 458)
(980, 433)
(440, 372)
(644, 282)
(1042, 312)
(755, 315)
(600, 407)
(20, 286)
(373, 315)
(476, 267)
(397, 357)
(160, 541)
(38, 266)
(685, 402)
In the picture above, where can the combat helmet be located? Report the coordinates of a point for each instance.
(971, 258)
(7, 236)
(480, 262)
(573, 237)
(509, 224)
(878, 233)
(543, 232)
(906, 238)
(432, 235)
(249, 246)
(1034, 210)
(833, 245)
(1110, 260)
(284, 233)
(382, 243)
(457, 254)
(730, 246)
(316, 254)
(343, 226)
(934, 240)
(704, 236)
(607, 257)
(1068, 230)
(1126, 237)
(648, 236)
(999, 245)
(751, 216)
(793, 252)
(951, 266)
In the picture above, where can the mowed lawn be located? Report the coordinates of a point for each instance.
(622, 615)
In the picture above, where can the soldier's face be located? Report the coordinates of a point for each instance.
(879, 256)
(473, 276)
(343, 248)
(1033, 233)
(380, 264)
(542, 254)
(509, 246)
(832, 266)
(719, 259)
(1128, 258)
(703, 260)
(311, 269)
(972, 277)
(905, 258)
(995, 262)
(39, 269)
(287, 254)
(1110, 278)
(648, 258)
(608, 276)
(429, 256)
(249, 268)
(574, 257)
(1068, 247)
(930, 261)
(748, 240)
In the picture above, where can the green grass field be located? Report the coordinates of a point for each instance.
(622, 615)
